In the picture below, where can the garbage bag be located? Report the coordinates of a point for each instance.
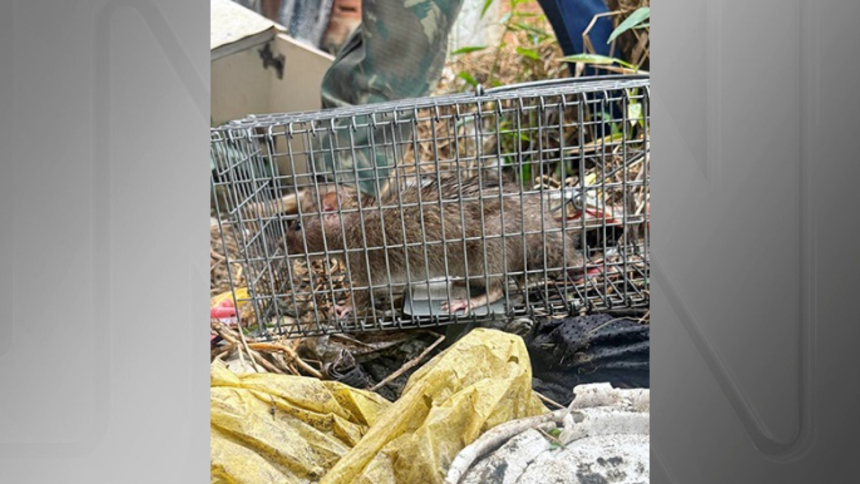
(268, 428)
(329, 433)
(481, 381)
(589, 349)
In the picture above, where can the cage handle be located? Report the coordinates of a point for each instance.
(480, 91)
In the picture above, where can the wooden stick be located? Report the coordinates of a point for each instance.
(228, 335)
(273, 347)
(409, 364)
(256, 357)
(245, 345)
(549, 400)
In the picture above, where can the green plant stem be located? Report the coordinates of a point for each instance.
(497, 56)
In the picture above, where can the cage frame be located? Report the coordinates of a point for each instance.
(257, 129)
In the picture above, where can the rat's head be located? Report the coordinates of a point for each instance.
(305, 234)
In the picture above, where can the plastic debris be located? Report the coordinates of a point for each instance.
(277, 428)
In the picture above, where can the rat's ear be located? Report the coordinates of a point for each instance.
(329, 202)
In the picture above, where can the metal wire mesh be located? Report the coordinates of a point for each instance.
(527, 200)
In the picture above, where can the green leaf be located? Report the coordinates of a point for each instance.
(468, 78)
(634, 113)
(468, 49)
(534, 30)
(530, 53)
(596, 59)
(588, 59)
(635, 18)
(487, 4)
(506, 18)
(527, 172)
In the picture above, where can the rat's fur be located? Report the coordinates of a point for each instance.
(416, 223)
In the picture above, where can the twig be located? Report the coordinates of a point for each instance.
(606, 324)
(282, 362)
(548, 436)
(228, 335)
(215, 265)
(241, 356)
(351, 340)
(245, 345)
(290, 353)
(409, 364)
(586, 40)
(549, 400)
(257, 357)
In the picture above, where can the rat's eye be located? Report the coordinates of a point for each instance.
(297, 225)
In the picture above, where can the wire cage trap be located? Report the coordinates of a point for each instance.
(526, 200)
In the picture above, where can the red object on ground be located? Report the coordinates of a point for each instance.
(224, 309)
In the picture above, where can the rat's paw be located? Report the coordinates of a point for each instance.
(456, 305)
(341, 311)
(578, 275)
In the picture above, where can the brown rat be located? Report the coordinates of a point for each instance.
(425, 225)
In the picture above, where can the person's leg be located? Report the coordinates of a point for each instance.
(570, 18)
(398, 52)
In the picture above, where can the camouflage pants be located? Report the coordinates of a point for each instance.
(398, 52)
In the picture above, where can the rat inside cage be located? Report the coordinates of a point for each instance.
(526, 200)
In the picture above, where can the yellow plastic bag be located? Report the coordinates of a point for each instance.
(481, 381)
(268, 428)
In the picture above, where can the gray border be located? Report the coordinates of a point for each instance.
(799, 445)
(100, 209)
(702, 444)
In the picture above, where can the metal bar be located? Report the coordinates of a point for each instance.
(557, 128)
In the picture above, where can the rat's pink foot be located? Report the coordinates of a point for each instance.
(456, 305)
(341, 310)
(578, 275)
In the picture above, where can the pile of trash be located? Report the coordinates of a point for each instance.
(492, 406)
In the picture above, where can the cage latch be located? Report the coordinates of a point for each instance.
(272, 60)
